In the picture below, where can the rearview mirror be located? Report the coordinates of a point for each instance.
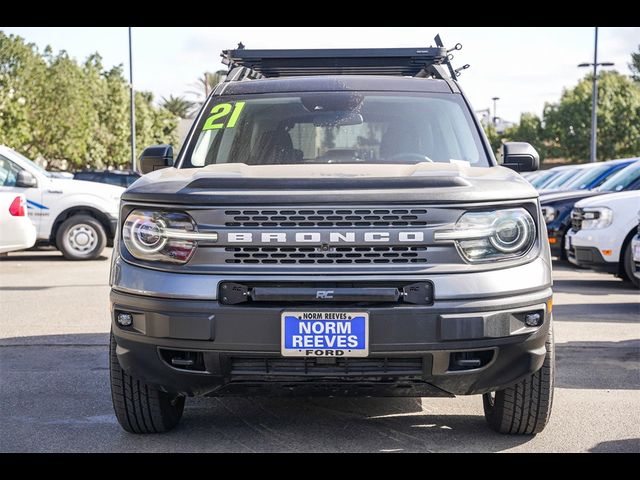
(520, 156)
(156, 157)
(26, 180)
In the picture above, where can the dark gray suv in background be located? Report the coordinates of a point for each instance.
(335, 224)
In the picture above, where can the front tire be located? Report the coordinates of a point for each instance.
(524, 408)
(629, 266)
(81, 237)
(139, 407)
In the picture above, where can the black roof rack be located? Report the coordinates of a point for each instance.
(414, 62)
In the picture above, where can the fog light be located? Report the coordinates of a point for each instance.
(533, 319)
(124, 319)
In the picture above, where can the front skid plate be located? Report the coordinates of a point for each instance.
(328, 389)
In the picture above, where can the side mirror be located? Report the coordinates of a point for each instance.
(26, 180)
(520, 156)
(156, 157)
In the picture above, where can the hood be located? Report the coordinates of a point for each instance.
(69, 186)
(567, 195)
(630, 199)
(237, 183)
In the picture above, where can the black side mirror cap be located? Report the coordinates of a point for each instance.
(26, 180)
(156, 157)
(520, 156)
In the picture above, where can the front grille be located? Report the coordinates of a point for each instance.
(336, 255)
(327, 217)
(308, 366)
(576, 218)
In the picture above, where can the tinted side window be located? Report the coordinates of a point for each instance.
(114, 179)
(130, 179)
(8, 172)
(87, 176)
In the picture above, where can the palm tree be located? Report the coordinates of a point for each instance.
(206, 84)
(179, 106)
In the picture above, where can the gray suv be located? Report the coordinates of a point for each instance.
(335, 224)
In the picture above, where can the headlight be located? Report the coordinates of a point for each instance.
(162, 236)
(549, 214)
(596, 217)
(490, 236)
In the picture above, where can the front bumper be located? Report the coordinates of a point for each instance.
(413, 348)
(580, 251)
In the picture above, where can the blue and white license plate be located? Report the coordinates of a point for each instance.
(325, 334)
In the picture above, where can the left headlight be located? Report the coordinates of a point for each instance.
(492, 236)
(596, 217)
(169, 237)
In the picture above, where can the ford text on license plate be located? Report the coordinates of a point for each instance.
(325, 334)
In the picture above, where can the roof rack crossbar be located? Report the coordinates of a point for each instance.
(245, 64)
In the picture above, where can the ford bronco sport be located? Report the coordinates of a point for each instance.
(335, 224)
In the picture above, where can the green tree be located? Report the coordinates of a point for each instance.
(63, 114)
(635, 65)
(72, 114)
(179, 106)
(22, 70)
(529, 130)
(568, 123)
(495, 139)
(205, 85)
(153, 125)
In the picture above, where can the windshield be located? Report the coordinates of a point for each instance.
(586, 177)
(622, 179)
(561, 179)
(33, 164)
(336, 127)
(543, 178)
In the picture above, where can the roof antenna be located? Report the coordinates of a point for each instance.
(240, 46)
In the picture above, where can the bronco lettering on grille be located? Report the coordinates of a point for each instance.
(331, 237)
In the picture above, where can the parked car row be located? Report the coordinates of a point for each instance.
(590, 214)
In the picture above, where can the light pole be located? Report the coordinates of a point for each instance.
(132, 108)
(495, 115)
(594, 95)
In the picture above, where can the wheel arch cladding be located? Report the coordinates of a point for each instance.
(79, 210)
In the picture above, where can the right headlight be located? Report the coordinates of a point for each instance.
(492, 236)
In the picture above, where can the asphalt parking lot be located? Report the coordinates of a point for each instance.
(54, 386)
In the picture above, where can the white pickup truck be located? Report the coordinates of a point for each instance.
(602, 229)
(78, 218)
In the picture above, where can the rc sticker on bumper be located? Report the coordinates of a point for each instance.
(325, 334)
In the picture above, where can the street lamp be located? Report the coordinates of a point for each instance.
(132, 110)
(495, 115)
(594, 99)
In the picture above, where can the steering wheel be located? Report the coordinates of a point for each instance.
(408, 155)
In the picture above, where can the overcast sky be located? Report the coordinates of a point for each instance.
(524, 66)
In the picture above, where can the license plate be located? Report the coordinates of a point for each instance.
(325, 334)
